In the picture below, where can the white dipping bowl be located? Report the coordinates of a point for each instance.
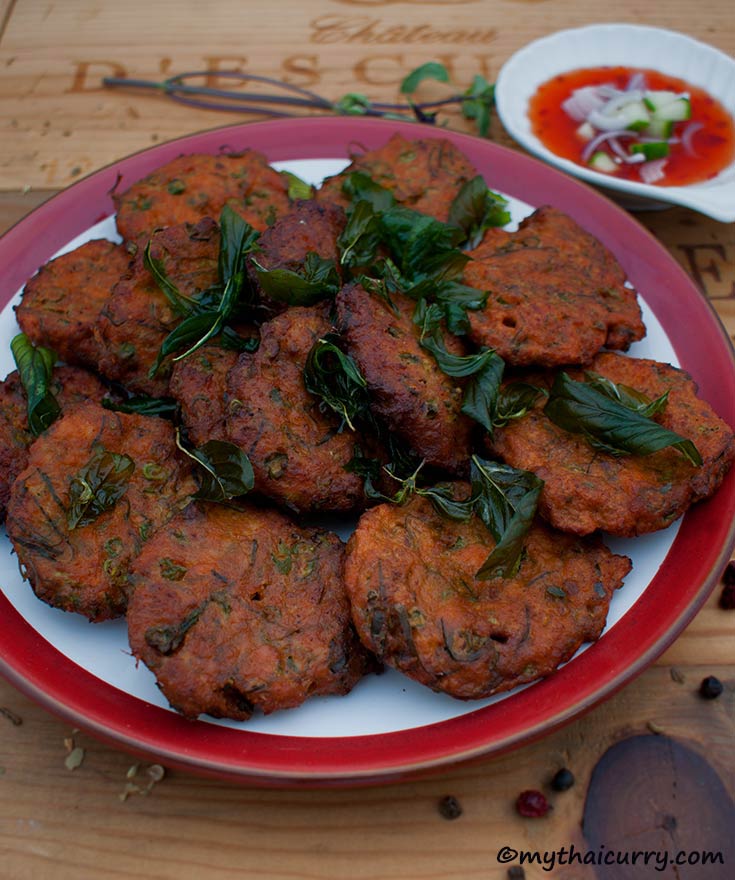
(625, 45)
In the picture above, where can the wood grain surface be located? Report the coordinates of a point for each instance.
(72, 808)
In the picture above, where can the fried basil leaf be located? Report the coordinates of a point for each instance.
(225, 470)
(207, 315)
(360, 187)
(505, 500)
(334, 377)
(317, 279)
(98, 486)
(35, 368)
(484, 369)
(514, 401)
(608, 424)
(298, 189)
(143, 405)
(475, 209)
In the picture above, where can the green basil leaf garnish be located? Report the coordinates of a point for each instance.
(143, 405)
(475, 209)
(334, 377)
(190, 334)
(225, 470)
(514, 401)
(181, 304)
(317, 279)
(35, 368)
(98, 486)
(608, 424)
(298, 189)
(207, 315)
(484, 369)
(505, 499)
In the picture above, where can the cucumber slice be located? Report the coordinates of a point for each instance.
(676, 111)
(658, 150)
(602, 162)
(585, 132)
(659, 128)
(655, 99)
(632, 116)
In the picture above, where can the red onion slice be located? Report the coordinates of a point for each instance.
(688, 134)
(653, 171)
(582, 102)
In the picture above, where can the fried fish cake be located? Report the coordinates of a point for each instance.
(417, 605)
(97, 486)
(238, 610)
(587, 489)
(308, 228)
(138, 316)
(69, 385)
(556, 295)
(199, 185)
(408, 390)
(298, 454)
(199, 385)
(425, 174)
(62, 300)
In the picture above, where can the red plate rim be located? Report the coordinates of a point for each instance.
(688, 574)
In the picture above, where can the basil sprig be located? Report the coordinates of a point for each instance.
(503, 497)
(35, 368)
(613, 418)
(477, 208)
(484, 369)
(224, 470)
(334, 377)
(317, 279)
(98, 486)
(207, 315)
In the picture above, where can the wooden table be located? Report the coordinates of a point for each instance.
(70, 824)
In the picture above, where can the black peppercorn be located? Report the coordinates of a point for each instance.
(711, 688)
(563, 780)
(450, 807)
(516, 873)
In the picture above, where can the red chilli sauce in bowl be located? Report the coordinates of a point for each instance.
(634, 124)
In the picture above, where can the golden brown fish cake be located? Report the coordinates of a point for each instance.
(408, 391)
(238, 610)
(199, 385)
(195, 186)
(308, 228)
(138, 315)
(587, 489)
(74, 548)
(556, 295)
(61, 302)
(417, 605)
(69, 385)
(425, 174)
(298, 455)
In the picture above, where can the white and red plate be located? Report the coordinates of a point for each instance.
(388, 728)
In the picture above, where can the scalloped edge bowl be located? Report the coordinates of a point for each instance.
(633, 46)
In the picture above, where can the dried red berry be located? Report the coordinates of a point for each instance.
(532, 804)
